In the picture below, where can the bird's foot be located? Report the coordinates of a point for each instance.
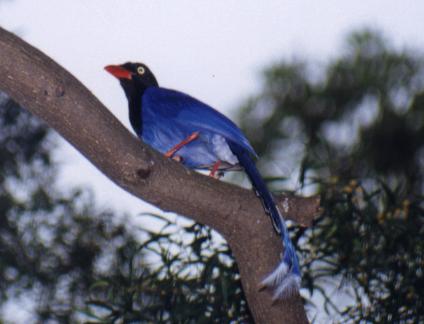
(177, 158)
(215, 173)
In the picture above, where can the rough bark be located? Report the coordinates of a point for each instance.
(47, 90)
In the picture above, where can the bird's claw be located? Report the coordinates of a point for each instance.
(177, 158)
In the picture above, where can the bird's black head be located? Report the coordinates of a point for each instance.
(134, 78)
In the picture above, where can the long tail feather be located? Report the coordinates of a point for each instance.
(285, 279)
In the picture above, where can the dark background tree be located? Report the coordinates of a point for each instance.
(51, 240)
(354, 128)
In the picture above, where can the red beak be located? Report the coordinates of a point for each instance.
(119, 72)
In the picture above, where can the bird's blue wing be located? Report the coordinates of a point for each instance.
(191, 113)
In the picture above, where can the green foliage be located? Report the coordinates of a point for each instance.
(189, 280)
(51, 243)
(356, 130)
(369, 239)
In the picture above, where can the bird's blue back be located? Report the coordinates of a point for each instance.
(169, 116)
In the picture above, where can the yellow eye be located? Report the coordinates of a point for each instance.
(141, 70)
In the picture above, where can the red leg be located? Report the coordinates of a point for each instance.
(189, 139)
(214, 169)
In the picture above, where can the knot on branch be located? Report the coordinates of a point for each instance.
(300, 209)
(55, 91)
(143, 173)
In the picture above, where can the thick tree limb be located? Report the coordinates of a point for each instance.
(48, 91)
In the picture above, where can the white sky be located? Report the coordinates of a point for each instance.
(213, 50)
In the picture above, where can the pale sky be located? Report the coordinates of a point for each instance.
(213, 50)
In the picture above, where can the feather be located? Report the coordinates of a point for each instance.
(285, 279)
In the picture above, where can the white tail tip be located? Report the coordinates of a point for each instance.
(285, 284)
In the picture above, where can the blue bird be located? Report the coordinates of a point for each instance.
(193, 133)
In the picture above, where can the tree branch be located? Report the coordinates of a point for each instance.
(47, 90)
